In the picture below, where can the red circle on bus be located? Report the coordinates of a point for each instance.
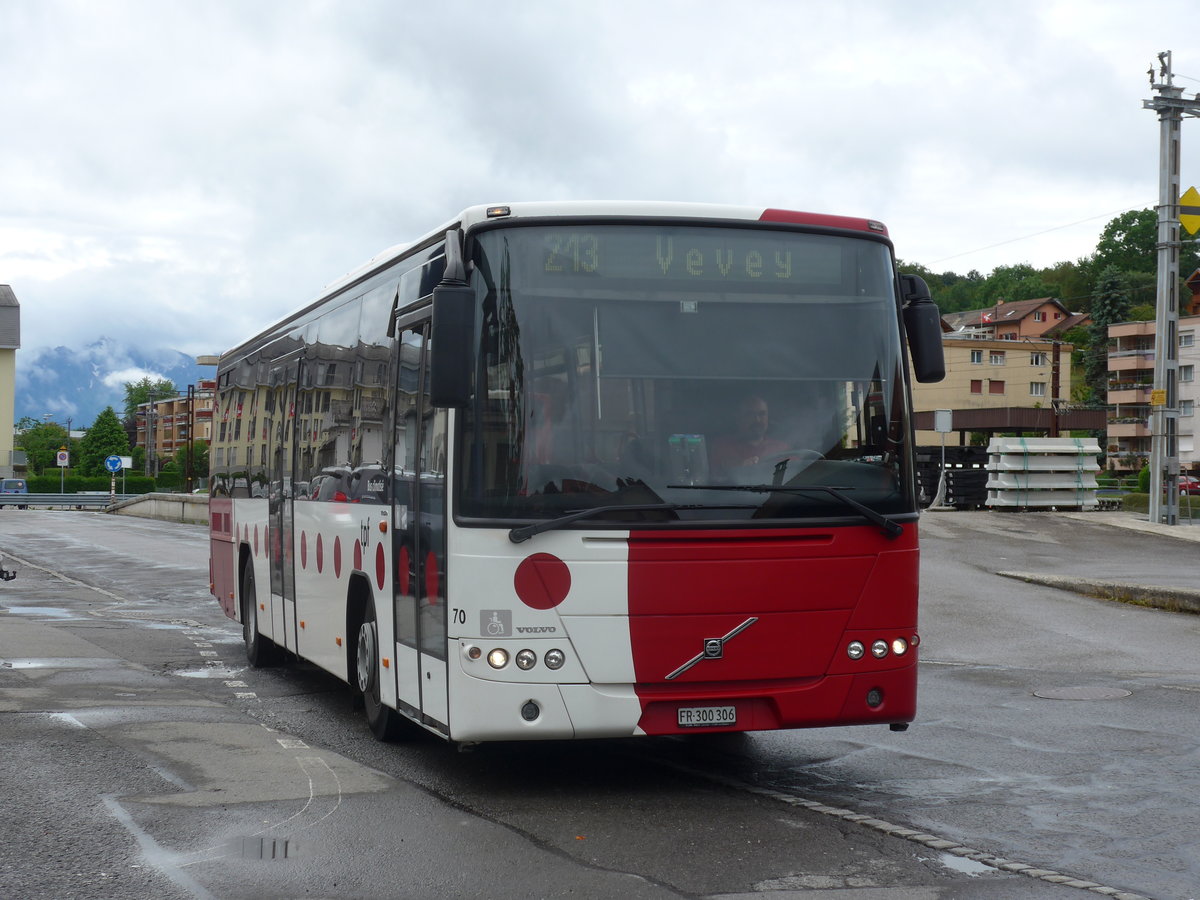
(358, 551)
(256, 540)
(380, 565)
(320, 555)
(432, 580)
(303, 550)
(337, 557)
(402, 573)
(542, 581)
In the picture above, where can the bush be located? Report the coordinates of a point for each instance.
(1144, 480)
(73, 484)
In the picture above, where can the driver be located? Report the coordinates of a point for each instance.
(749, 443)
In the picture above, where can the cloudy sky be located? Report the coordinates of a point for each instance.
(180, 174)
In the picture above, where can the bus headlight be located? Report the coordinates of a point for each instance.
(525, 660)
(899, 646)
(498, 658)
(879, 649)
(855, 650)
(555, 659)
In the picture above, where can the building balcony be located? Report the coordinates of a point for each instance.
(1131, 361)
(1139, 394)
(1128, 429)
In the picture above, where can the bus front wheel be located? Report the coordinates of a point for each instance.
(384, 722)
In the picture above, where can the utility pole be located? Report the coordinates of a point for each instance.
(1171, 107)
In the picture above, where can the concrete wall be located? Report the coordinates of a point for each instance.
(190, 508)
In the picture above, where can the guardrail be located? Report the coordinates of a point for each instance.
(64, 501)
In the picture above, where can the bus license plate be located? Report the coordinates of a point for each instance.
(705, 716)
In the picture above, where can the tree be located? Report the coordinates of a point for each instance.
(1011, 283)
(105, 438)
(1130, 243)
(41, 442)
(139, 392)
(1127, 242)
(1110, 303)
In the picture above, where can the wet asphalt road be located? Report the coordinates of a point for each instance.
(138, 758)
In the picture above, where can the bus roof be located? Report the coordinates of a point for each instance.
(614, 209)
(495, 212)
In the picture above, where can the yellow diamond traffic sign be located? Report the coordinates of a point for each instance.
(1189, 210)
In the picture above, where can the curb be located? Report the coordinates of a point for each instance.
(1171, 599)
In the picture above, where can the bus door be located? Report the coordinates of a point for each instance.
(280, 429)
(419, 533)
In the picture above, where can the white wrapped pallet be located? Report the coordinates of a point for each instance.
(1042, 473)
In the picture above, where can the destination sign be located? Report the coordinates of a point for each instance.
(692, 255)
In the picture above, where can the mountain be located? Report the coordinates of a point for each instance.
(78, 383)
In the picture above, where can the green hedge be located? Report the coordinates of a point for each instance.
(1189, 506)
(73, 484)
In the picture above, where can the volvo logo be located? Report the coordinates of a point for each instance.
(714, 648)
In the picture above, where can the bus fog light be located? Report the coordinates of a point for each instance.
(474, 652)
(899, 646)
(498, 658)
(855, 650)
(875, 698)
(555, 659)
(879, 649)
(530, 711)
(525, 659)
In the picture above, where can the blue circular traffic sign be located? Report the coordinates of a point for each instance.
(113, 464)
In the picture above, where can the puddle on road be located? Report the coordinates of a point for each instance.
(963, 864)
(208, 672)
(61, 662)
(50, 612)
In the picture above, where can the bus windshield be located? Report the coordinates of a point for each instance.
(683, 372)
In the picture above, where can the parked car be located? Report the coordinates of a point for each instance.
(1189, 485)
(13, 486)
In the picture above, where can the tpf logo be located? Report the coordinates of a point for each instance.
(495, 622)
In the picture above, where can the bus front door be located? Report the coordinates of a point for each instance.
(420, 536)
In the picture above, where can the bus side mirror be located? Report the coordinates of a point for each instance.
(923, 326)
(451, 367)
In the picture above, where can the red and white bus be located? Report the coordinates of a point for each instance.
(572, 470)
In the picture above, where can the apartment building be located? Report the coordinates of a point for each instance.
(166, 426)
(1131, 354)
(988, 381)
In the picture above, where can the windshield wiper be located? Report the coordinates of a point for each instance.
(525, 532)
(887, 526)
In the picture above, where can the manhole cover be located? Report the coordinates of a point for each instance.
(1082, 693)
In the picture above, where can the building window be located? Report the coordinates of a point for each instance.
(1187, 373)
(995, 387)
(977, 357)
(997, 357)
(1011, 336)
(976, 386)
(1187, 339)
(1039, 315)
(1037, 389)
(1186, 407)
(1037, 358)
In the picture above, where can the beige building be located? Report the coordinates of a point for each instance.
(985, 374)
(10, 341)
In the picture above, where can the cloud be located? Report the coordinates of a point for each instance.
(184, 174)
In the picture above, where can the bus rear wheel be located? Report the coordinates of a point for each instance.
(385, 723)
(261, 651)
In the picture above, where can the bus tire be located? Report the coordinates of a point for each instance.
(261, 651)
(384, 722)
